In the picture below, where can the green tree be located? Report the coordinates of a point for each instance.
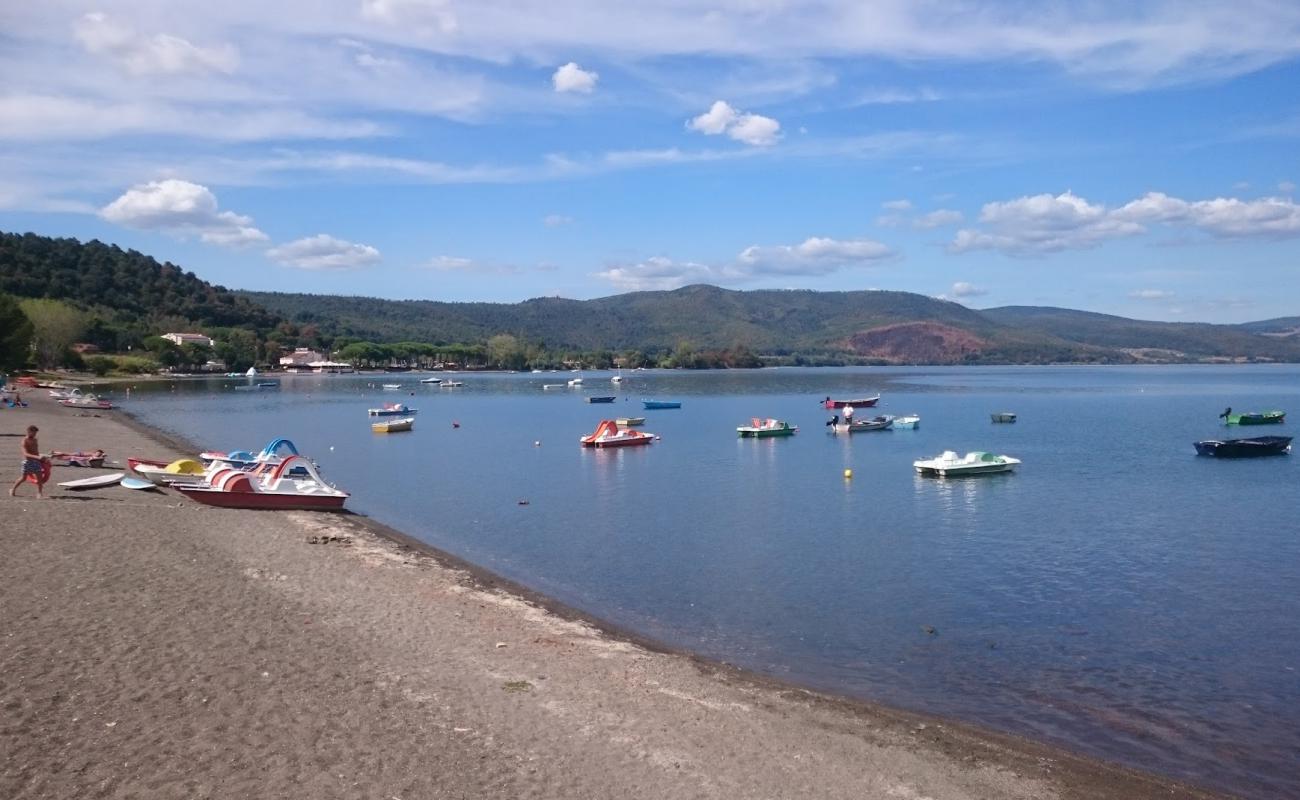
(506, 351)
(56, 326)
(100, 365)
(238, 350)
(15, 334)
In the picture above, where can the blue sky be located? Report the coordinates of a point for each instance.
(1137, 158)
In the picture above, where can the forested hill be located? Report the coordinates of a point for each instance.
(124, 286)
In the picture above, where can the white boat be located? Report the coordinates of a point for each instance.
(552, 386)
(392, 385)
(93, 483)
(910, 421)
(394, 410)
(64, 393)
(976, 463)
(452, 384)
(576, 382)
(185, 470)
(137, 483)
(431, 380)
(252, 372)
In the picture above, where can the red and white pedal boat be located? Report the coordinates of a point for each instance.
(293, 484)
(609, 434)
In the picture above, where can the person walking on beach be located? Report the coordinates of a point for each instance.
(31, 463)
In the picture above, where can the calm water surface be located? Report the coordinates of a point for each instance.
(1118, 594)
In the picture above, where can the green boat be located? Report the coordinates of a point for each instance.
(1253, 417)
(766, 428)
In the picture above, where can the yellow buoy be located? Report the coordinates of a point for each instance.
(848, 473)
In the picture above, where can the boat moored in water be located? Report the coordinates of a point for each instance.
(609, 434)
(1253, 417)
(860, 402)
(766, 428)
(601, 399)
(1003, 416)
(393, 425)
(394, 410)
(630, 422)
(881, 423)
(909, 422)
(1244, 448)
(654, 404)
(949, 464)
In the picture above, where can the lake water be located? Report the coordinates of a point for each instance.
(1117, 594)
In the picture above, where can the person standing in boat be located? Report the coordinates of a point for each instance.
(31, 463)
(848, 415)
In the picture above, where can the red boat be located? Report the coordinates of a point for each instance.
(269, 488)
(861, 402)
(608, 434)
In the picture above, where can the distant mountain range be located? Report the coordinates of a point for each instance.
(129, 295)
(869, 326)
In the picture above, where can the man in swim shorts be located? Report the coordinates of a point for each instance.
(31, 463)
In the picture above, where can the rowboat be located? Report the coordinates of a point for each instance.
(908, 422)
(609, 434)
(654, 404)
(96, 482)
(394, 410)
(883, 423)
(293, 484)
(1244, 448)
(602, 399)
(393, 425)
(860, 402)
(766, 428)
(1253, 417)
(977, 463)
(629, 422)
(1003, 416)
(185, 470)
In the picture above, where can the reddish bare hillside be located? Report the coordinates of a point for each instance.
(916, 343)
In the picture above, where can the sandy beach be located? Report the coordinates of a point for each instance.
(155, 648)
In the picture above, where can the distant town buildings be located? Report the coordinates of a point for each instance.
(179, 339)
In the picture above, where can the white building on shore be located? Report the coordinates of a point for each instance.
(302, 357)
(179, 339)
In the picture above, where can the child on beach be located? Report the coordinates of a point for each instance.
(31, 463)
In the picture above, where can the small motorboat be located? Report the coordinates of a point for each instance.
(601, 399)
(394, 410)
(268, 384)
(949, 464)
(1244, 448)
(1253, 417)
(609, 434)
(431, 380)
(881, 423)
(860, 402)
(617, 379)
(909, 422)
(391, 386)
(766, 428)
(552, 386)
(576, 382)
(1003, 416)
(184, 470)
(96, 482)
(293, 484)
(630, 422)
(393, 425)
(452, 384)
(650, 405)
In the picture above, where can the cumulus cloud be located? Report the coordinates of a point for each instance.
(964, 289)
(938, 219)
(324, 252)
(1228, 217)
(425, 16)
(141, 54)
(752, 129)
(1151, 294)
(1286, 187)
(901, 213)
(813, 257)
(181, 208)
(573, 78)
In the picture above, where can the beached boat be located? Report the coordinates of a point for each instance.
(860, 402)
(86, 401)
(275, 452)
(293, 484)
(133, 464)
(96, 482)
(184, 470)
(1003, 416)
(765, 428)
(609, 434)
(655, 404)
(882, 423)
(394, 410)
(601, 399)
(393, 425)
(630, 422)
(1253, 417)
(909, 422)
(65, 393)
(1244, 448)
(949, 464)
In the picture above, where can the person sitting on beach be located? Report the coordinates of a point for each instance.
(31, 463)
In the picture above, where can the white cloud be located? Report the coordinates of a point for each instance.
(1286, 187)
(897, 205)
(556, 220)
(813, 257)
(181, 208)
(423, 16)
(469, 265)
(896, 96)
(964, 289)
(324, 252)
(938, 219)
(1227, 217)
(573, 78)
(1151, 294)
(161, 53)
(752, 129)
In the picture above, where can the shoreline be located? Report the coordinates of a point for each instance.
(957, 757)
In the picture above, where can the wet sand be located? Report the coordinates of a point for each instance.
(155, 648)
